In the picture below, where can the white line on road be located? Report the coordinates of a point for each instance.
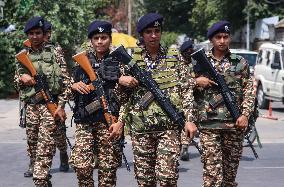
(263, 167)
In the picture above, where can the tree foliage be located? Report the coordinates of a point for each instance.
(69, 19)
(193, 17)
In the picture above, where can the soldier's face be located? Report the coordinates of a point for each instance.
(101, 42)
(36, 37)
(152, 37)
(221, 41)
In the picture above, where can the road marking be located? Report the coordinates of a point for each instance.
(263, 167)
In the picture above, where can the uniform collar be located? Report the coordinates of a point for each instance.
(211, 55)
(161, 53)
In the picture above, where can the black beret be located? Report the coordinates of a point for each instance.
(185, 46)
(47, 25)
(149, 20)
(35, 22)
(99, 27)
(220, 26)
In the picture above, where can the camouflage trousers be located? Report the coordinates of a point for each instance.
(184, 140)
(40, 129)
(156, 158)
(222, 151)
(60, 141)
(89, 137)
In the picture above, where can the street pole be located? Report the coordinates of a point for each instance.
(248, 29)
(2, 4)
(129, 8)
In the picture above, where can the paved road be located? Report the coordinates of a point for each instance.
(263, 172)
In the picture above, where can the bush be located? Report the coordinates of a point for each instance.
(8, 48)
(169, 38)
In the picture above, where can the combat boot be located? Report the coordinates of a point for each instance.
(29, 172)
(64, 165)
(184, 156)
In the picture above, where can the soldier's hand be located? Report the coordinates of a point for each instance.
(60, 114)
(81, 87)
(204, 82)
(128, 81)
(115, 130)
(242, 122)
(27, 80)
(190, 129)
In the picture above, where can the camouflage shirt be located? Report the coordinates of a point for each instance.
(62, 74)
(169, 71)
(236, 73)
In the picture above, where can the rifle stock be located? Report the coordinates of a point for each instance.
(85, 64)
(23, 58)
(27, 43)
(96, 84)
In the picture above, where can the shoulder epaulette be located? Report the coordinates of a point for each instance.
(136, 55)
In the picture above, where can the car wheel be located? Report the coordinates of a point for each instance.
(262, 101)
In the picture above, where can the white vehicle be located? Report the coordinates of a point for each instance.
(269, 74)
(250, 56)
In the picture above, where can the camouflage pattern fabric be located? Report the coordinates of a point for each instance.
(222, 151)
(235, 70)
(87, 137)
(60, 138)
(156, 158)
(169, 71)
(184, 140)
(220, 140)
(155, 139)
(40, 129)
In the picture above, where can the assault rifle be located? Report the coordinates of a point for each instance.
(97, 86)
(228, 98)
(40, 86)
(27, 43)
(151, 85)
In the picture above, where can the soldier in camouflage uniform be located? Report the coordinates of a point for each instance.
(93, 134)
(60, 136)
(155, 139)
(221, 138)
(186, 49)
(40, 124)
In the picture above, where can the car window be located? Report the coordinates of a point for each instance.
(259, 57)
(251, 58)
(277, 58)
(268, 57)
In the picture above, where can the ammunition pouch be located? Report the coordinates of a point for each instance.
(88, 107)
(110, 69)
(38, 99)
(146, 100)
(216, 101)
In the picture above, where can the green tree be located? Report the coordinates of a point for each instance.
(69, 19)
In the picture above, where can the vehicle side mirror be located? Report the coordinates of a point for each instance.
(275, 66)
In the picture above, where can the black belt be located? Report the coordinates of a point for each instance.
(40, 100)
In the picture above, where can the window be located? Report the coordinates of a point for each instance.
(259, 57)
(277, 58)
(268, 57)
